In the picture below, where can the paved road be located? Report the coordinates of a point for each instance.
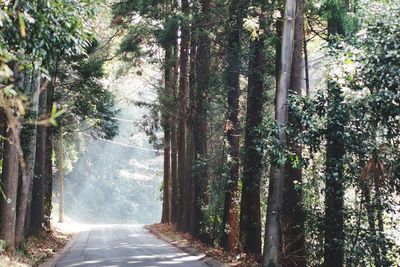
(125, 245)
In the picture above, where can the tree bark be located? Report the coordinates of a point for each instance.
(166, 213)
(273, 240)
(200, 173)
(167, 175)
(31, 169)
(293, 215)
(189, 184)
(230, 225)
(49, 157)
(306, 68)
(38, 189)
(334, 189)
(60, 177)
(371, 222)
(29, 157)
(9, 181)
(182, 108)
(14, 172)
(380, 212)
(174, 158)
(250, 211)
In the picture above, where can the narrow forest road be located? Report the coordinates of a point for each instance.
(125, 245)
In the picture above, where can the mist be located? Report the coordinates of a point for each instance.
(119, 180)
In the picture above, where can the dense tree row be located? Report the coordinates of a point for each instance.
(258, 158)
(240, 119)
(50, 76)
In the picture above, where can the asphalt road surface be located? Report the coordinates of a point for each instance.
(125, 245)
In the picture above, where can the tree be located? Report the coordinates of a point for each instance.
(182, 108)
(273, 240)
(167, 148)
(250, 211)
(167, 120)
(232, 126)
(60, 177)
(334, 188)
(200, 172)
(293, 214)
(41, 176)
(174, 140)
(189, 205)
(10, 185)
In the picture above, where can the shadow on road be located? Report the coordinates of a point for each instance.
(124, 245)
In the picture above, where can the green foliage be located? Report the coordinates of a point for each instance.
(217, 187)
(23, 251)
(130, 46)
(87, 104)
(52, 29)
(40, 36)
(145, 8)
(364, 94)
(3, 245)
(166, 35)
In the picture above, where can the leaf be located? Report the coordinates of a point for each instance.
(55, 114)
(228, 126)
(53, 122)
(9, 91)
(20, 106)
(252, 25)
(22, 28)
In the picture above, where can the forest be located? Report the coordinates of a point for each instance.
(273, 125)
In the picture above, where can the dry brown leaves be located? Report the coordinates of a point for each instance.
(168, 233)
(37, 249)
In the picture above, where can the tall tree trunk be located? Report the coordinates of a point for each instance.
(14, 169)
(273, 240)
(380, 212)
(9, 182)
(174, 140)
(49, 178)
(293, 215)
(167, 174)
(200, 174)
(230, 225)
(189, 184)
(334, 190)
(13, 166)
(60, 177)
(166, 213)
(250, 211)
(42, 85)
(371, 222)
(306, 68)
(182, 131)
(49, 157)
(3, 127)
(32, 86)
(38, 189)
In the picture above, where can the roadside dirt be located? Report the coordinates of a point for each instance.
(186, 242)
(36, 249)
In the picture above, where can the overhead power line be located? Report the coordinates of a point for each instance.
(122, 144)
(121, 119)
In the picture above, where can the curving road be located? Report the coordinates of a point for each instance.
(125, 245)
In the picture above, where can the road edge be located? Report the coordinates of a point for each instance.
(52, 261)
(210, 261)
